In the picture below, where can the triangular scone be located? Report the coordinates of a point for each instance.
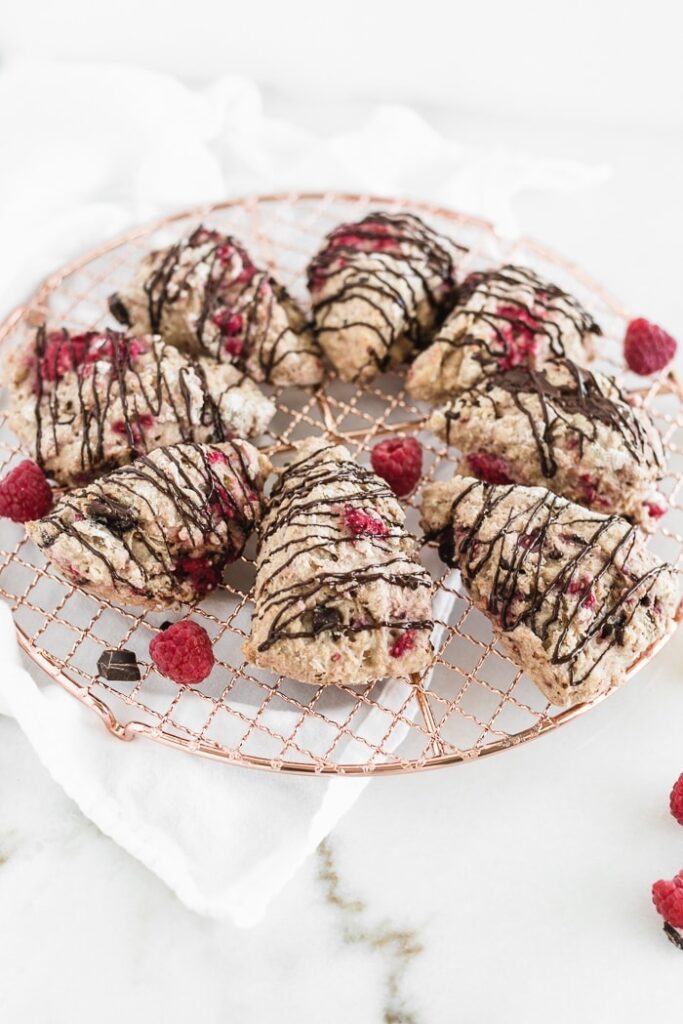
(157, 533)
(205, 296)
(378, 289)
(502, 319)
(574, 596)
(561, 427)
(84, 404)
(339, 595)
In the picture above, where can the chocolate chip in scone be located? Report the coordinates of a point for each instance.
(325, 617)
(112, 514)
(119, 666)
(118, 309)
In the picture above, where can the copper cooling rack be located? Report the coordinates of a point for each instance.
(472, 701)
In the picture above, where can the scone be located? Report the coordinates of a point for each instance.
(378, 289)
(503, 318)
(574, 596)
(205, 296)
(340, 596)
(159, 532)
(84, 404)
(561, 427)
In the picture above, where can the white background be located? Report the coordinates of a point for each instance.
(523, 880)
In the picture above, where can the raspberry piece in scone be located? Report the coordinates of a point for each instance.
(560, 427)
(205, 295)
(159, 532)
(574, 596)
(503, 319)
(378, 288)
(84, 404)
(339, 594)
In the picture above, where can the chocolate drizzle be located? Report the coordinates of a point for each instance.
(229, 286)
(214, 494)
(374, 261)
(563, 404)
(312, 606)
(520, 591)
(125, 390)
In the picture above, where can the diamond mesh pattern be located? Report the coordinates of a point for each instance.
(472, 701)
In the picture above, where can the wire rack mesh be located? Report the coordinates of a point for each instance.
(471, 701)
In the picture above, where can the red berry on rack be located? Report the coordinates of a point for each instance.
(399, 462)
(676, 800)
(647, 347)
(183, 652)
(25, 494)
(668, 899)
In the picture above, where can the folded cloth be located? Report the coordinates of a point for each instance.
(96, 150)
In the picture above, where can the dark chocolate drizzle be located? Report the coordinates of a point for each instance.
(535, 534)
(551, 305)
(425, 264)
(99, 385)
(596, 400)
(212, 520)
(291, 506)
(254, 299)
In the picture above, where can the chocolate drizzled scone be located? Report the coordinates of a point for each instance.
(84, 404)
(503, 318)
(205, 295)
(378, 289)
(561, 427)
(159, 532)
(573, 595)
(340, 595)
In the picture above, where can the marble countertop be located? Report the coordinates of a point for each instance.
(514, 889)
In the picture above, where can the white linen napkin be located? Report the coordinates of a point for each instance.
(90, 150)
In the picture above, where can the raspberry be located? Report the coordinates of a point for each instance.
(203, 573)
(399, 462)
(362, 523)
(489, 468)
(227, 322)
(183, 653)
(518, 336)
(654, 510)
(583, 586)
(368, 236)
(63, 353)
(668, 899)
(647, 347)
(676, 800)
(25, 494)
(405, 642)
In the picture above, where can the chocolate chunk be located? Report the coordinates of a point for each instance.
(112, 514)
(118, 310)
(447, 546)
(119, 666)
(325, 617)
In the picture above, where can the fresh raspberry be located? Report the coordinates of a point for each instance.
(203, 573)
(647, 347)
(676, 800)
(489, 468)
(25, 494)
(362, 523)
(183, 653)
(405, 642)
(668, 899)
(399, 462)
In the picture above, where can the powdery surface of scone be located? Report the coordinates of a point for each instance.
(379, 288)
(159, 532)
(503, 318)
(84, 404)
(560, 427)
(574, 596)
(340, 596)
(205, 295)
